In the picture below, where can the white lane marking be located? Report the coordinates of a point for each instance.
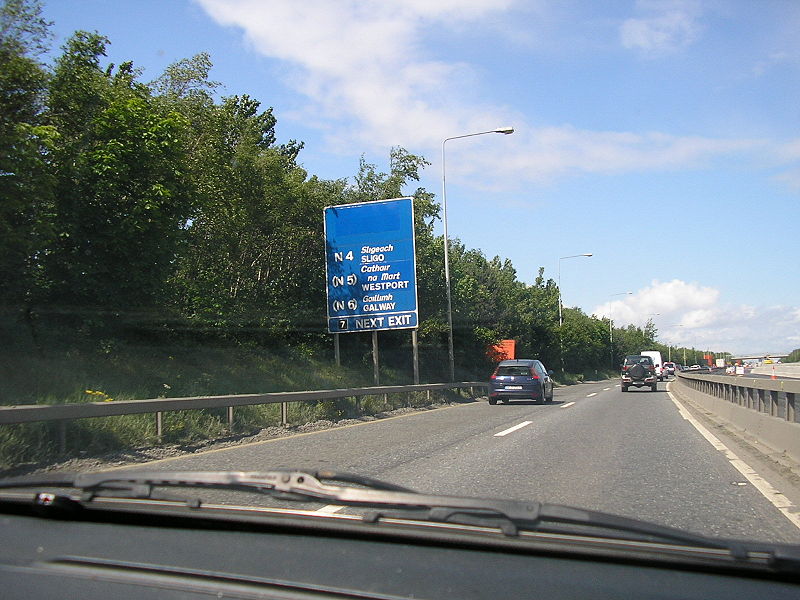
(329, 509)
(567, 405)
(512, 429)
(606, 389)
(592, 394)
(778, 500)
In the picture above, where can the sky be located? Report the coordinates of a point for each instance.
(661, 136)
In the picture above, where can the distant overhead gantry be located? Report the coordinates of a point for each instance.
(759, 356)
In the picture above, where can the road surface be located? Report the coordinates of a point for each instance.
(631, 454)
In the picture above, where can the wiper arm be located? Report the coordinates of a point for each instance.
(140, 484)
(510, 516)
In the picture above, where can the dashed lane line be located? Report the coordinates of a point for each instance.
(513, 429)
(592, 394)
(567, 405)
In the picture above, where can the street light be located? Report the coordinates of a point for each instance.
(670, 345)
(611, 330)
(587, 254)
(560, 317)
(504, 131)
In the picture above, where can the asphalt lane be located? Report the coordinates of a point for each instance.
(594, 447)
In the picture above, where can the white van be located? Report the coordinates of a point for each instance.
(655, 355)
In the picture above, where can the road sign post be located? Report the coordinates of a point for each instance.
(370, 266)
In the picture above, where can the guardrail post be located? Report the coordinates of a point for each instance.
(230, 419)
(284, 413)
(159, 426)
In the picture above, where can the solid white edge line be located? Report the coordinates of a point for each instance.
(512, 429)
(567, 405)
(775, 497)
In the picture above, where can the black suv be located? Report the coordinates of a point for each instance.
(639, 371)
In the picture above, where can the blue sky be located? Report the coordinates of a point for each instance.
(662, 136)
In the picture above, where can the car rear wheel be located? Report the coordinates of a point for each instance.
(654, 387)
(624, 388)
(493, 401)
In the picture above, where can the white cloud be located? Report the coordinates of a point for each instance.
(554, 151)
(667, 26)
(363, 60)
(692, 315)
(370, 83)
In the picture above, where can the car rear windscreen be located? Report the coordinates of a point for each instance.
(514, 370)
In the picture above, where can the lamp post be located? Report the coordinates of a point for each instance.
(670, 345)
(560, 316)
(451, 355)
(611, 330)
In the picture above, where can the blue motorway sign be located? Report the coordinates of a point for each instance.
(370, 265)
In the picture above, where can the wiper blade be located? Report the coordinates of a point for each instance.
(292, 485)
(510, 516)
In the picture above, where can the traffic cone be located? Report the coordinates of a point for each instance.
(773, 372)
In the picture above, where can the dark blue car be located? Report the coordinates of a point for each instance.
(520, 379)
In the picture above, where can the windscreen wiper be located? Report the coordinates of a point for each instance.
(509, 516)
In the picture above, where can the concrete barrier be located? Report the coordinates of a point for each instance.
(763, 408)
(780, 370)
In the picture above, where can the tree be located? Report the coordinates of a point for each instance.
(255, 254)
(794, 356)
(120, 197)
(585, 343)
(24, 140)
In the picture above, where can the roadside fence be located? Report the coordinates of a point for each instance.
(63, 413)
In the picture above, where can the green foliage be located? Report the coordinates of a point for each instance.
(120, 195)
(794, 356)
(24, 178)
(160, 213)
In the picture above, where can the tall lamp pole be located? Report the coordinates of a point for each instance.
(670, 345)
(451, 355)
(560, 316)
(611, 329)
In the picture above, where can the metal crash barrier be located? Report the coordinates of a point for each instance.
(63, 413)
(774, 397)
(763, 408)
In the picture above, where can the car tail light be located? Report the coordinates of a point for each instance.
(493, 377)
(533, 374)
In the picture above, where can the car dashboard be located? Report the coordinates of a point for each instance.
(153, 550)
